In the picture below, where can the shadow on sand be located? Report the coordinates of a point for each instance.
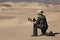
(51, 34)
(48, 34)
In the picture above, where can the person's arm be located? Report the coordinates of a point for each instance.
(34, 21)
(38, 20)
(46, 22)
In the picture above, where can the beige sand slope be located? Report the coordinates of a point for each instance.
(19, 5)
(15, 26)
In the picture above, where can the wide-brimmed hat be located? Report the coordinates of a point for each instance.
(40, 12)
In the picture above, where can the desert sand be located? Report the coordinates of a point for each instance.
(15, 26)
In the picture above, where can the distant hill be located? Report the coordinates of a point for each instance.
(46, 1)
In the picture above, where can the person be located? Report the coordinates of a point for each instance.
(40, 23)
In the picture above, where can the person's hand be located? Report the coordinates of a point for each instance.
(34, 22)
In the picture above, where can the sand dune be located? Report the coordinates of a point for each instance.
(15, 26)
(17, 5)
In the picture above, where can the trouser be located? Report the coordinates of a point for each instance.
(43, 30)
(35, 32)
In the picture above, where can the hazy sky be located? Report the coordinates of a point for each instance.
(55, 1)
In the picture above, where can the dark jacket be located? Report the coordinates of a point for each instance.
(41, 21)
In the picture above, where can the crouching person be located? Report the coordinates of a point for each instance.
(40, 23)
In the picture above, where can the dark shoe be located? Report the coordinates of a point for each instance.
(50, 34)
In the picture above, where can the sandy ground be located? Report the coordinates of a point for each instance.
(15, 26)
